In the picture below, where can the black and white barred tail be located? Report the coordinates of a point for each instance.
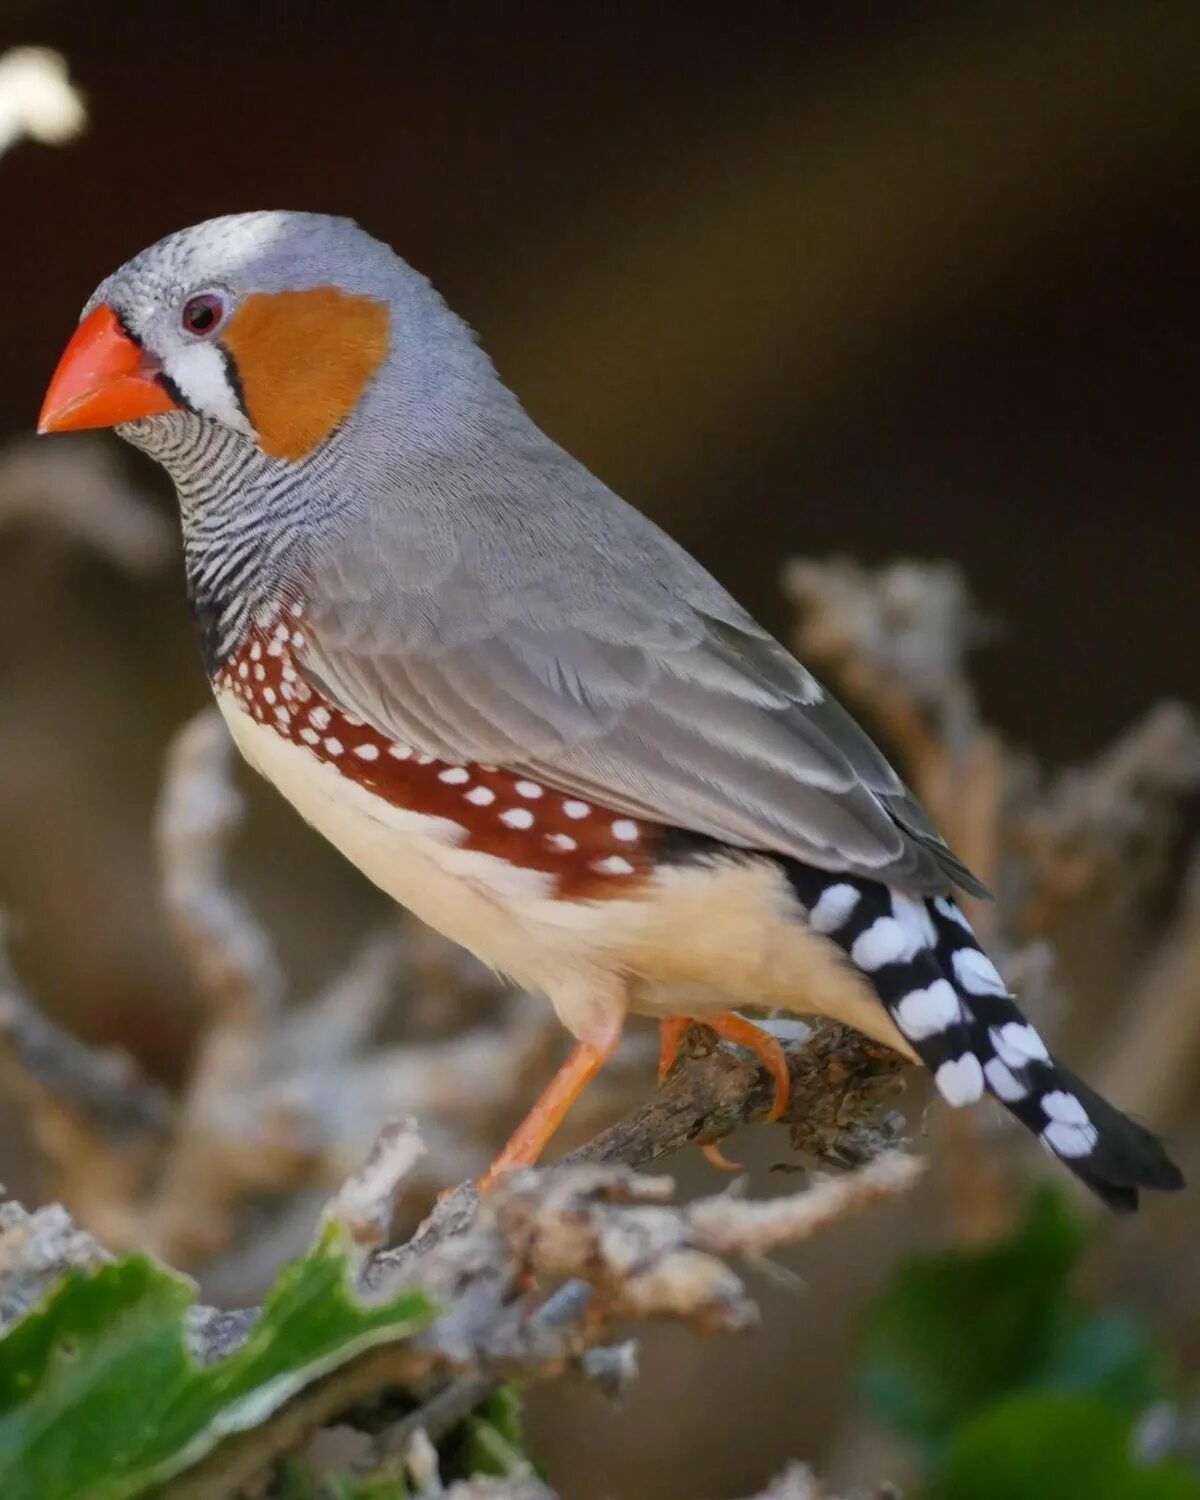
(948, 1000)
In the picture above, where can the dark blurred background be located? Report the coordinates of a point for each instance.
(797, 279)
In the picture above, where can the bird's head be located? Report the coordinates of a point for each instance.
(270, 326)
(285, 369)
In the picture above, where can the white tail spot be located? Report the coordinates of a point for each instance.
(961, 1080)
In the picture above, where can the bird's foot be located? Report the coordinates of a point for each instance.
(730, 1028)
(531, 1136)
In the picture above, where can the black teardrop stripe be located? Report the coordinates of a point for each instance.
(1112, 1154)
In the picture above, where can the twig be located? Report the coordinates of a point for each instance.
(79, 489)
(840, 1081)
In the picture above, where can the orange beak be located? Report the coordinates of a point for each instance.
(103, 378)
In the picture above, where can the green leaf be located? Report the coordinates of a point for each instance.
(1050, 1447)
(492, 1439)
(950, 1332)
(1107, 1354)
(294, 1480)
(100, 1399)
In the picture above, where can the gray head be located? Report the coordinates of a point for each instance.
(281, 366)
(276, 327)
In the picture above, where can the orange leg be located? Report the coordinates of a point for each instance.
(671, 1032)
(531, 1136)
(730, 1028)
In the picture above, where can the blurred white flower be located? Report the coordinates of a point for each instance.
(37, 99)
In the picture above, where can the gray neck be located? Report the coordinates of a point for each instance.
(246, 519)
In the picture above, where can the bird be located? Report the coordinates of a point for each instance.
(521, 708)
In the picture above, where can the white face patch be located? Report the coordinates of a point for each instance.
(925, 1012)
(960, 1081)
(200, 372)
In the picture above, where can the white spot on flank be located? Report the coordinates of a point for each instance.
(1017, 1044)
(528, 789)
(833, 907)
(243, 669)
(1003, 1082)
(960, 1081)
(481, 796)
(426, 760)
(319, 717)
(297, 609)
(454, 775)
(884, 942)
(400, 752)
(1070, 1140)
(354, 721)
(288, 672)
(255, 651)
(310, 736)
(275, 649)
(281, 632)
(613, 865)
(563, 842)
(269, 695)
(284, 715)
(626, 830)
(367, 752)
(297, 638)
(575, 809)
(260, 673)
(976, 972)
(925, 1012)
(517, 817)
(334, 746)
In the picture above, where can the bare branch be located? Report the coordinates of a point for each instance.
(79, 489)
(840, 1082)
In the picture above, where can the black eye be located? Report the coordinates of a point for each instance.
(202, 314)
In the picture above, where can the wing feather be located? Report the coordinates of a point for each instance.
(626, 676)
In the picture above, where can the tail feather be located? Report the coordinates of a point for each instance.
(948, 1000)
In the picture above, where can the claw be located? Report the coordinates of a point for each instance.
(715, 1157)
(731, 1028)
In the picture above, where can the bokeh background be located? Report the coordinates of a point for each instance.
(799, 280)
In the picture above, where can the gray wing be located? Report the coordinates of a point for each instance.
(591, 653)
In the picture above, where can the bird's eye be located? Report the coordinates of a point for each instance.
(202, 314)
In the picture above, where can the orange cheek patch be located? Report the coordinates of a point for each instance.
(303, 359)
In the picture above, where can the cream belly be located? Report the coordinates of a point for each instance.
(694, 939)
